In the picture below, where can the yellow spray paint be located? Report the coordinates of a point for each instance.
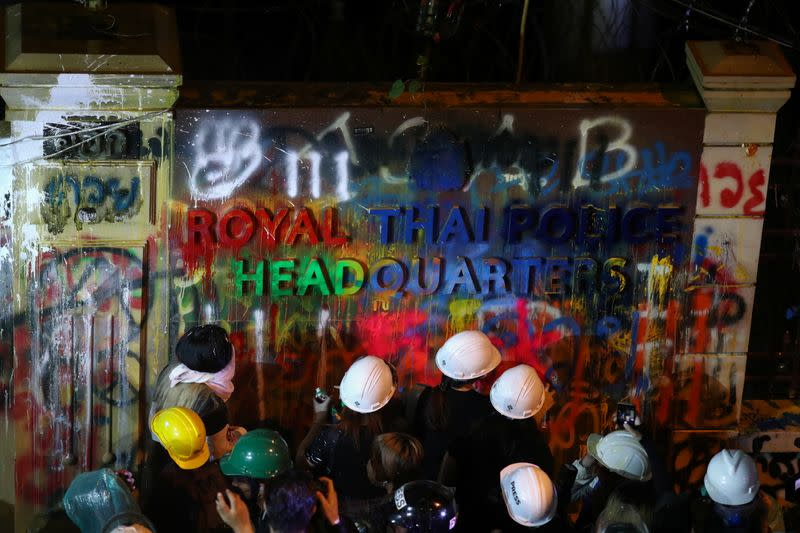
(659, 277)
(462, 314)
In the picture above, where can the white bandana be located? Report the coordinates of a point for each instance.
(220, 382)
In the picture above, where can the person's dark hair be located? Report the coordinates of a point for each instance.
(195, 396)
(396, 458)
(639, 495)
(616, 490)
(507, 433)
(436, 409)
(361, 425)
(291, 501)
(205, 348)
(251, 500)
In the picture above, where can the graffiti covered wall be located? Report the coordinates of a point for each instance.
(318, 235)
(88, 317)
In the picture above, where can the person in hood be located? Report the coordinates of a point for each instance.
(100, 502)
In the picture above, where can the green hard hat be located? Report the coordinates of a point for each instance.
(258, 454)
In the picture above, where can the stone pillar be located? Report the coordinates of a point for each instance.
(743, 86)
(86, 167)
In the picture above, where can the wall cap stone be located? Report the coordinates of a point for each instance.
(733, 76)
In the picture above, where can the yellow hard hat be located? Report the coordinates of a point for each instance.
(182, 433)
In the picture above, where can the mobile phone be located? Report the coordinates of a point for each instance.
(792, 487)
(626, 412)
(320, 395)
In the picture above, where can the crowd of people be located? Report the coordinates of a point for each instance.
(433, 459)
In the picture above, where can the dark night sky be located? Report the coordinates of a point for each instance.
(368, 40)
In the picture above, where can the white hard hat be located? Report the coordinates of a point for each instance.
(530, 496)
(467, 355)
(518, 393)
(622, 453)
(367, 385)
(732, 478)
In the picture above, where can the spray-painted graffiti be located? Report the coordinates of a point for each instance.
(733, 181)
(562, 235)
(90, 199)
(81, 385)
(725, 250)
(82, 140)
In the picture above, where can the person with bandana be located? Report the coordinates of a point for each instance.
(199, 378)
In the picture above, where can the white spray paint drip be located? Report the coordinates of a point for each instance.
(28, 247)
(322, 324)
(291, 174)
(408, 124)
(341, 125)
(34, 198)
(343, 178)
(315, 179)
(384, 171)
(258, 319)
(208, 312)
(507, 124)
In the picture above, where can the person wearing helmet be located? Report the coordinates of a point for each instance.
(611, 460)
(257, 457)
(200, 378)
(396, 459)
(341, 451)
(423, 507)
(184, 495)
(100, 502)
(444, 413)
(509, 435)
(730, 499)
(531, 500)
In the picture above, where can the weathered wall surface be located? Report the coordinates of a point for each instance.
(602, 244)
(318, 235)
(88, 304)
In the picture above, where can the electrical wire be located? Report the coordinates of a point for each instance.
(113, 127)
(733, 24)
(104, 127)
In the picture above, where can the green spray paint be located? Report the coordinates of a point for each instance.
(342, 265)
(314, 276)
(278, 276)
(240, 276)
